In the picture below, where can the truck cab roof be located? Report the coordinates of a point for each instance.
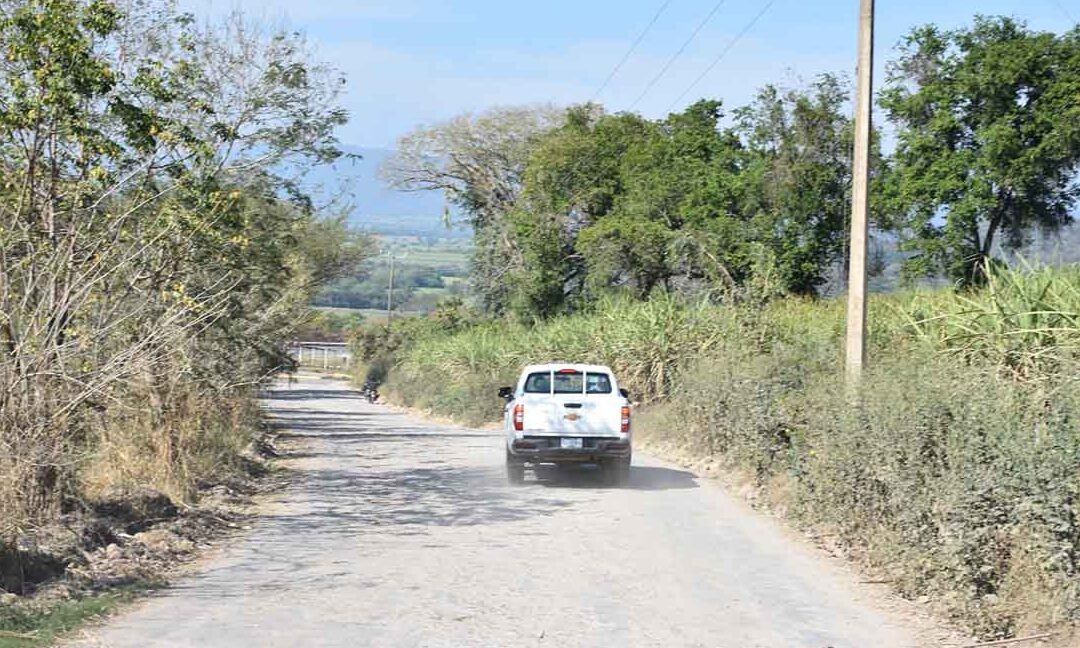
(561, 366)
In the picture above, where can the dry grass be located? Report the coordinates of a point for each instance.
(199, 440)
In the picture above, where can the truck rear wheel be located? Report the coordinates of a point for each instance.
(515, 470)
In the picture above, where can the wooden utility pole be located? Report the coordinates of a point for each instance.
(860, 196)
(390, 292)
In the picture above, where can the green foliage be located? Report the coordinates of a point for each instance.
(29, 628)
(628, 204)
(1025, 322)
(567, 208)
(617, 248)
(536, 290)
(331, 248)
(376, 346)
(950, 481)
(619, 203)
(798, 179)
(328, 325)
(645, 342)
(425, 274)
(989, 140)
(478, 162)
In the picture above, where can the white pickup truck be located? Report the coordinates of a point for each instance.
(567, 413)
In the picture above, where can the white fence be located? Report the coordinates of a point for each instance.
(323, 355)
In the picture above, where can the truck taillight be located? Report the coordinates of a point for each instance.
(625, 428)
(519, 417)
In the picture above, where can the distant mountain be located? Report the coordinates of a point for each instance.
(376, 207)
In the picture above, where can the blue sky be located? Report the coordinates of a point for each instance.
(411, 62)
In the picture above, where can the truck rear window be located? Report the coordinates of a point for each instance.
(538, 383)
(569, 382)
(597, 383)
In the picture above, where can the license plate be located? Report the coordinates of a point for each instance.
(570, 444)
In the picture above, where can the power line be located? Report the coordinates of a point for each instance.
(677, 54)
(630, 51)
(1068, 14)
(730, 45)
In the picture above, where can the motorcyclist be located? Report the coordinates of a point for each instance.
(371, 391)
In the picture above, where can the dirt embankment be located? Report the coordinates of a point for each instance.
(99, 553)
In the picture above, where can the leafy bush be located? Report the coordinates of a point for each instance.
(957, 483)
(376, 345)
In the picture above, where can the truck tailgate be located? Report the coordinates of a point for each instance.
(592, 415)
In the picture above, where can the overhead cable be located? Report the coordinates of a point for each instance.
(746, 28)
(676, 55)
(630, 51)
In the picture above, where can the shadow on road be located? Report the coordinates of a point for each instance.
(307, 394)
(642, 478)
(347, 433)
(285, 417)
(402, 502)
(369, 472)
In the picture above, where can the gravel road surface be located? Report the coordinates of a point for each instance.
(400, 532)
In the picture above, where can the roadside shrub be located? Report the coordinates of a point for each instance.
(979, 483)
(954, 481)
(199, 439)
(153, 261)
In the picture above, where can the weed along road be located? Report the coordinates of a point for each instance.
(398, 532)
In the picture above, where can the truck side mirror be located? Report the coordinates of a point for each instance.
(506, 393)
(625, 394)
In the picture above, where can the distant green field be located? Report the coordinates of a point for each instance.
(437, 257)
(417, 251)
(363, 312)
(426, 272)
(366, 314)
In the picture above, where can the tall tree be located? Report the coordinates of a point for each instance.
(634, 204)
(478, 162)
(988, 125)
(572, 180)
(679, 208)
(797, 179)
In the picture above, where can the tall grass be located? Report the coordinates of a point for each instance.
(1025, 321)
(644, 342)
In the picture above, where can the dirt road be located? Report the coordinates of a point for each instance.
(404, 533)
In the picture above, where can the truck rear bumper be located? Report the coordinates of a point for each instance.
(548, 449)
